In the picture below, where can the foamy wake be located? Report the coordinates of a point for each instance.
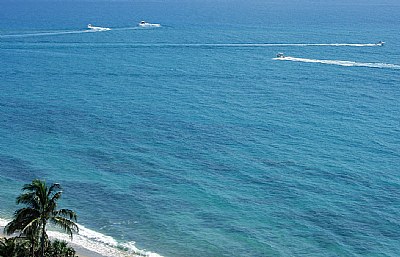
(127, 28)
(342, 63)
(55, 33)
(248, 45)
(98, 243)
(102, 29)
(299, 44)
(335, 44)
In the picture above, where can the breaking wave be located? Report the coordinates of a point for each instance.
(341, 63)
(3, 223)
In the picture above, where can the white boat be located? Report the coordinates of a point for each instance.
(145, 24)
(90, 26)
(380, 43)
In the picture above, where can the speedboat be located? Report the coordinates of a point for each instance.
(380, 43)
(90, 26)
(145, 24)
(280, 55)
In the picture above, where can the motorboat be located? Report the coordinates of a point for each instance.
(145, 24)
(90, 26)
(380, 43)
(280, 55)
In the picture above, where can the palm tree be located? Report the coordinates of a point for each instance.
(41, 208)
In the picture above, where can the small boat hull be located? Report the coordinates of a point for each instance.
(144, 24)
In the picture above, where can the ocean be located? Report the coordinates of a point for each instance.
(191, 139)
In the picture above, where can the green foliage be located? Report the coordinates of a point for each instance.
(40, 209)
(13, 247)
(59, 249)
(19, 247)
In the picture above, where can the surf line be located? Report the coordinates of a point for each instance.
(340, 63)
(96, 242)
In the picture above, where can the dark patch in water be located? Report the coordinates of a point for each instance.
(18, 169)
(103, 200)
(273, 163)
(213, 220)
(103, 160)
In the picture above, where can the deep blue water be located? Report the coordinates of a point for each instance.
(176, 139)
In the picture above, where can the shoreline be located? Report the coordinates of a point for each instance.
(80, 251)
(87, 248)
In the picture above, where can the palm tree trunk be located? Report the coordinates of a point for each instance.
(43, 237)
(32, 248)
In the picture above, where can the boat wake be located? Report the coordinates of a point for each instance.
(341, 63)
(126, 28)
(96, 242)
(267, 44)
(337, 44)
(55, 33)
(249, 45)
(97, 29)
(103, 29)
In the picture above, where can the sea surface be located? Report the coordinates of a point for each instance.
(192, 139)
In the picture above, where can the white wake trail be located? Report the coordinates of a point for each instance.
(49, 33)
(345, 44)
(341, 63)
(254, 45)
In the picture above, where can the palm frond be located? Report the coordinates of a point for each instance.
(29, 199)
(26, 213)
(39, 189)
(32, 225)
(66, 213)
(34, 186)
(65, 224)
(53, 187)
(22, 218)
(56, 196)
(23, 224)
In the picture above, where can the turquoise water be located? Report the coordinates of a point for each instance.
(192, 140)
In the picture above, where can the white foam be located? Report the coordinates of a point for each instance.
(102, 244)
(342, 44)
(97, 29)
(98, 243)
(255, 45)
(46, 34)
(3, 222)
(269, 44)
(102, 29)
(55, 33)
(341, 63)
(127, 28)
